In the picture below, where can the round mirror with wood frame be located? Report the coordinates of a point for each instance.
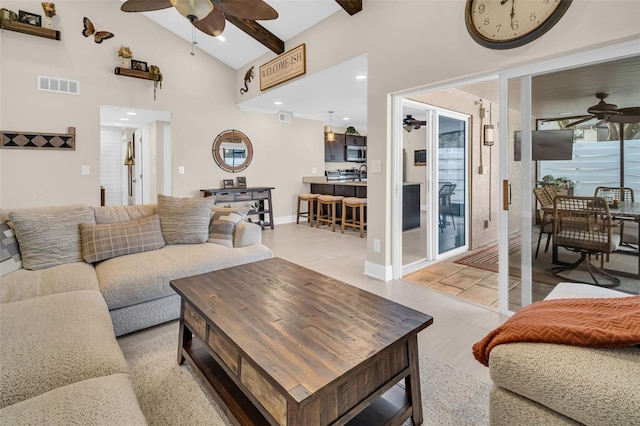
(232, 151)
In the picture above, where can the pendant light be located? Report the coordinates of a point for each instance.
(330, 135)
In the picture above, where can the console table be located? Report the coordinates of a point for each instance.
(260, 194)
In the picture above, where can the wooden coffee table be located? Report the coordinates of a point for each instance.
(279, 344)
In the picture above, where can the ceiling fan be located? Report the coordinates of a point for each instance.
(409, 123)
(609, 113)
(207, 15)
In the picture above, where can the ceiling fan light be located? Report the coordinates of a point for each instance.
(408, 127)
(193, 10)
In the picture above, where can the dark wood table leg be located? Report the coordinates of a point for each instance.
(412, 382)
(184, 335)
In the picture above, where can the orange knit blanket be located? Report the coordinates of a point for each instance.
(596, 323)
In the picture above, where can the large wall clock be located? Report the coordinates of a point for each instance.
(505, 24)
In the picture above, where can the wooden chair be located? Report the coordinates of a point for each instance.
(584, 225)
(546, 216)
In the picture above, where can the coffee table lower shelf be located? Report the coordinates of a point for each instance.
(392, 408)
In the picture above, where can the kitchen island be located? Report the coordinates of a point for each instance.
(358, 188)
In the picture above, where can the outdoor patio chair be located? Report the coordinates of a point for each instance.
(444, 205)
(610, 193)
(546, 216)
(584, 225)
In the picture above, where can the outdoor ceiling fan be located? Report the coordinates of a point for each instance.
(409, 123)
(609, 113)
(207, 15)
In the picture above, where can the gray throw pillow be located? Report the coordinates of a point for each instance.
(104, 241)
(223, 223)
(185, 220)
(50, 236)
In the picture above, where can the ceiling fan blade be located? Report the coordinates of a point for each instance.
(212, 24)
(575, 123)
(627, 115)
(255, 10)
(145, 5)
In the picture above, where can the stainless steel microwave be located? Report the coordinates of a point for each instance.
(356, 153)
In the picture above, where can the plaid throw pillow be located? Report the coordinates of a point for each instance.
(10, 259)
(223, 223)
(101, 242)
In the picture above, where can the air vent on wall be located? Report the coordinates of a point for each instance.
(284, 117)
(58, 85)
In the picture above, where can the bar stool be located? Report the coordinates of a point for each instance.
(357, 206)
(330, 217)
(311, 200)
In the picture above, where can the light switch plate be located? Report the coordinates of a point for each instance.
(181, 170)
(376, 166)
(85, 170)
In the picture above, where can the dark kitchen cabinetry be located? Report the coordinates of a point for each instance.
(334, 151)
(411, 206)
(356, 140)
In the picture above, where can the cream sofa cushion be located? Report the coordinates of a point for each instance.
(592, 386)
(115, 214)
(104, 241)
(53, 341)
(50, 236)
(108, 401)
(185, 220)
(24, 284)
(140, 277)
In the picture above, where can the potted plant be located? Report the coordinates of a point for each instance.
(125, 55)
(560, 183)
(351, 131)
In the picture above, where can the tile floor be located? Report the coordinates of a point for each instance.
(458, 323)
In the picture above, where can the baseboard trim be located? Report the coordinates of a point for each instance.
(380, 272)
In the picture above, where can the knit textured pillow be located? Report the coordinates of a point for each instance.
(50, 236)
(185, 220)
(10, 259)
(223, 223)
(101, 242)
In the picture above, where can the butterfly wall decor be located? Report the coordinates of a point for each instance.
(89, 29)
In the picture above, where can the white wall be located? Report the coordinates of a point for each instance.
(413, 44)
(197, 90)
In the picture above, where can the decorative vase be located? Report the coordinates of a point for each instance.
(125, 62)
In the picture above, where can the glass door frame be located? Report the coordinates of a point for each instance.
(525, 73)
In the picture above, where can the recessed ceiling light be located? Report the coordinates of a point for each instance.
(124, 119)
(221, 38)
(277, 103)
(361, 77)
(131, 113)
(346, 118)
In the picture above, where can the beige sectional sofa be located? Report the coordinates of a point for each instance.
(549, 384)
(60, 362)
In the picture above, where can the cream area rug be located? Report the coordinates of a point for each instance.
(170, 394)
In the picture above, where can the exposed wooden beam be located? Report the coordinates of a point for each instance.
(351, 6)
(259, 33)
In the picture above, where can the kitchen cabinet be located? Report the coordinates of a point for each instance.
(410, 206)
(355, 140)
(334, 151)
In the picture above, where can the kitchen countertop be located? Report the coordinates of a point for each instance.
(323, 179)
(348, 182)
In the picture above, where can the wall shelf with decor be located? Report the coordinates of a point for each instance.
(133, 73)
(29, 29)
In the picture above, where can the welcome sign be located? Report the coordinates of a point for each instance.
(289, 65)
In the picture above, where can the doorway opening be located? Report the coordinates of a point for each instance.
(135, 155)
